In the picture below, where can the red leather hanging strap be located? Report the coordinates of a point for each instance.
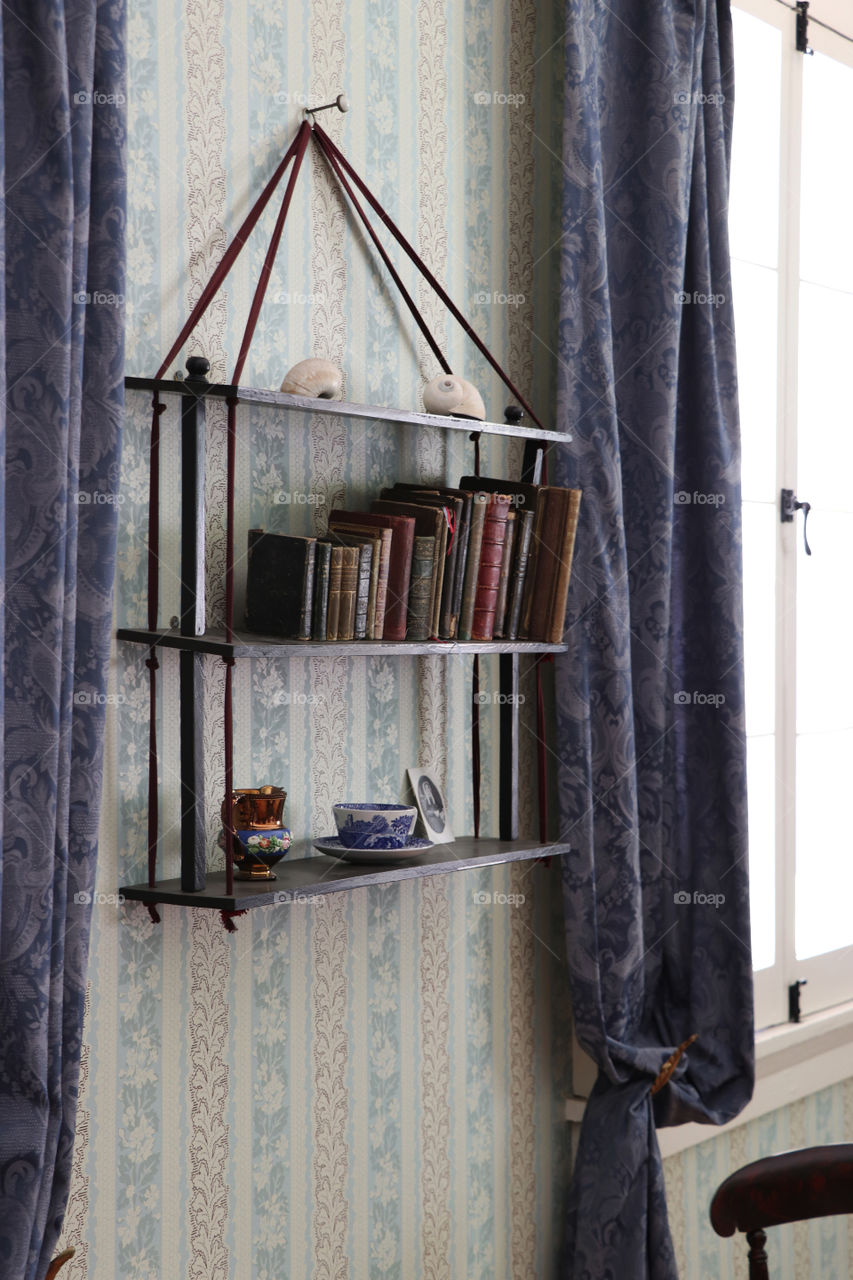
(330, 149)
(295, 150)
(328, 152)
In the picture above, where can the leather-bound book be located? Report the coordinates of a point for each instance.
(419, 623)
(524, 632)
(441, 533)
(334, 612)
(380, 541)
(349, 592)
(321, 589)
(503, 585)
(280, 584)
(553, 563)
(368, 560)
(524, 533)
(402, 529)
(455, 503)
(429, 522)
(479, 505)
(563, 555)
(489, 576)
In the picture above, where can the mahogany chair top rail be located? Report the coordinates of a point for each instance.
(813, 1182)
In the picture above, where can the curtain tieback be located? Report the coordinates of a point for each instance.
(671, 1063)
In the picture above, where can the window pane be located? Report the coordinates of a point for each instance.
(825, 432)
(826, 249)
(825, 625)
(759, 615)
(761, 784)
(755, 295)
(754, 201)
(824, 881)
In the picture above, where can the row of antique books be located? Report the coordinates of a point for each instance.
(488, 560)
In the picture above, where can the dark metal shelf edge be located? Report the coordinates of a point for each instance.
(304, 879)
(341, 408)
(262, 647)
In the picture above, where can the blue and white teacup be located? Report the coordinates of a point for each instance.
(374, 826)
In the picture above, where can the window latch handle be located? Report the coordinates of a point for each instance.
(789, 506)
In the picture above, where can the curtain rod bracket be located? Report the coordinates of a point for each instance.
(803, 27)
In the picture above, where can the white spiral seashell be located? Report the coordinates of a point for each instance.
(449, 394)
(319, 379)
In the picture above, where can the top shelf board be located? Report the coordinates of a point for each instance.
(337, 408)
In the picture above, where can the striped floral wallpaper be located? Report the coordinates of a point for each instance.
(366, 1086)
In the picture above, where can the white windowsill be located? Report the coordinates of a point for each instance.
(791, 1061)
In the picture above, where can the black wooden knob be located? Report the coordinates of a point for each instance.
(198, 366)
(513, 414)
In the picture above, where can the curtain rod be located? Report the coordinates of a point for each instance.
(809, 17)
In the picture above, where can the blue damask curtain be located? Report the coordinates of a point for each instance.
(650, 697)
(61, 305)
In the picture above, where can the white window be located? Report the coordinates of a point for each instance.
(791, 231)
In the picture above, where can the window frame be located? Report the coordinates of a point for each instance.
(828, 977)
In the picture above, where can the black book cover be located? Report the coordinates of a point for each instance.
(280, 584)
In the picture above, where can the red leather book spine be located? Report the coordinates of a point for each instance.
(489, 576)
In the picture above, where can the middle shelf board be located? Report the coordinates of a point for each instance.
(302, 878)
(268, 647)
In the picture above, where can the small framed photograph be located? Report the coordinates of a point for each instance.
(431, 806)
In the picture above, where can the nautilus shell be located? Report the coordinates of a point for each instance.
(316, 378)
(452, 395)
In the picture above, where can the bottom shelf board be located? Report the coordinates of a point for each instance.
(300, 879)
